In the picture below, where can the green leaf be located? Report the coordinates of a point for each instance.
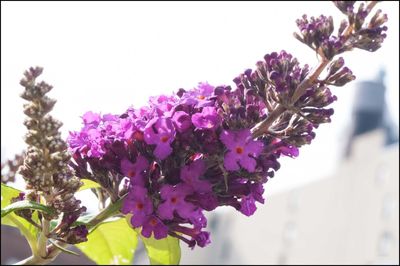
(28, 230)
(26, 204)
(87, 183)
(109, 211)
(85, 219)
(111, 243)
(166, 251)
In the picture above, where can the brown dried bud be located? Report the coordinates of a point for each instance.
(45, 167)
(10, 167)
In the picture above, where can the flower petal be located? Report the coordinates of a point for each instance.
(230, 162)
(162, 151)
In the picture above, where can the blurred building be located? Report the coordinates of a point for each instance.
(370, 111)
(351, 217)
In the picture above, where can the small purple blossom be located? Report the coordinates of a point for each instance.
(206, 200)
(181, 121)
(109, 117)
(190, 174)
(21, 196)
(138, 204)
(77, 234)
(161, 132)
(207, 119)
(286, 149)
(198, 97)
(241, 147)
(91, 119)
(203, 239)
(198, 219)
(248, 205)
(174, 200)
(162, 104)
(154, 225)
(89, 142)
(134, 170)
(125, 129)
(257, 191)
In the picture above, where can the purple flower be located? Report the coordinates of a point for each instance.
(21, 196)
(69, 218)
(204, 89)
(191, 173)
(91, 119)
(174, 200)
(248, 205)
(77, 141)
(203, 239)
(207, 119)
(134, 170)
(257, 191)
(208, 201)
(139, 204)
(198, 97)
(286, 149)
(161, 132)
(181, 121)
(140, 117)
(88, 142)
(162, 104)
(109, 117)
(156, 226)
(77, 235)
(203, 196)
(125, 129)
(96, 143)
(198, 219)
(240, 146)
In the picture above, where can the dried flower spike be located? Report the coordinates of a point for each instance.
(45, 167)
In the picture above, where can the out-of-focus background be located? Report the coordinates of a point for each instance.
(337, 203)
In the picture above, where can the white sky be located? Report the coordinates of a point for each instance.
(104, 57)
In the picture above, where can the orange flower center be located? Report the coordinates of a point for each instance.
(131, 173)
(139, 206)
(239, 150)
(164, 139)
(174, 200)
(138, 135)
(201, 97)
(153, 222)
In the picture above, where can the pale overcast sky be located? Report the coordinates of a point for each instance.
(106, 56)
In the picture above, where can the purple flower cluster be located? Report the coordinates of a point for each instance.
(194, 151)
(317, 33)
(354, 32)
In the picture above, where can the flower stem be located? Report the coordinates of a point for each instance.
(42, 242)
(53, 252)
(263, 126)
(108, 212)
(307, 82)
